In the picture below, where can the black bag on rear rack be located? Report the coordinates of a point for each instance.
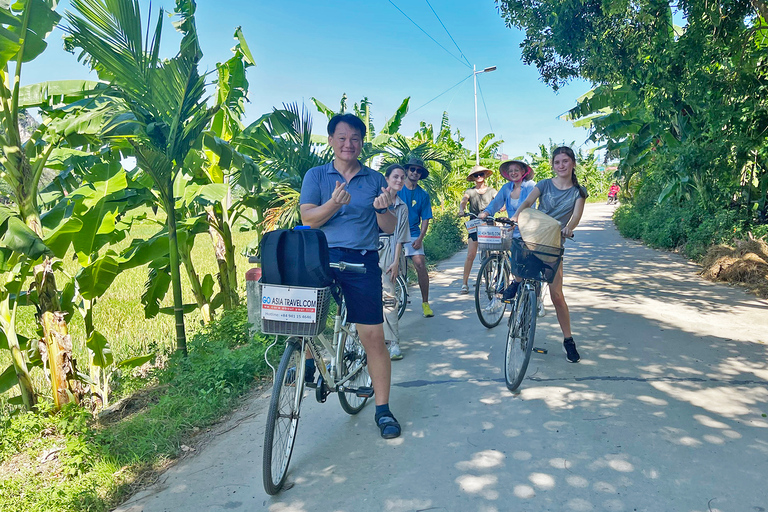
(297, 257)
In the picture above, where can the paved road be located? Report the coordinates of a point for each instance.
(665, 412)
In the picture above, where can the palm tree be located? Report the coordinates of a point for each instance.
(281, 143)
(159, 103)
(443, 182)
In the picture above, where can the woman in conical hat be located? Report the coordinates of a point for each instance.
(512, 194)
(478, 198)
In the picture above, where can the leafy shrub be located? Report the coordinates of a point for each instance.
(445, 235)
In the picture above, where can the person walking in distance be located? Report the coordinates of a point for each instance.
(419, 213)
(478, 198)
(350, 203)
(390, 249)
(562, 198)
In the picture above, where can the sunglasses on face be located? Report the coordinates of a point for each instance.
(479, 175)
(415, 169)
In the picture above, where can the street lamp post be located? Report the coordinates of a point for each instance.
(475, 72)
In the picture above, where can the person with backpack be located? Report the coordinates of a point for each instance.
(350, 203)
(562, 198)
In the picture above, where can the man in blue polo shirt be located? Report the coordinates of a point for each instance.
(419, 213)
(350, 202)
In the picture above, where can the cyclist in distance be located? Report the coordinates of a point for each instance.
(478, 198)
(389, 259)
(350, 203)
(563, 199)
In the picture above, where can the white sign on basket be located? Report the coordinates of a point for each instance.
(489, 234)
(287, 304)
(472, 225)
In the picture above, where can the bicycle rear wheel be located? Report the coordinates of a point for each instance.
(354, 356)
(401, 292)
(492, 279)
(283, 417)
(350, 354)
(522, 329)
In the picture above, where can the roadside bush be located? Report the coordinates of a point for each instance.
(445, 236)
(628, 223)
(93, 463)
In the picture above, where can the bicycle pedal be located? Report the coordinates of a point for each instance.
(364, 392)
(312, 385)
(540, 350)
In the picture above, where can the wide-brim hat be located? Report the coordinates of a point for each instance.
(418, 162)
(477, 169)
(504, 168)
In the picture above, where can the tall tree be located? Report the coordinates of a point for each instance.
(160, 101)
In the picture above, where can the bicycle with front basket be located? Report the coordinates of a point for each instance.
(537, 265)
(495, 270)
(341, 360)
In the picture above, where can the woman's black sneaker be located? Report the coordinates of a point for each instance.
(510, 292)
(571, 354)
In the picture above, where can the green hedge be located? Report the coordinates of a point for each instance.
(446, 235)
(689, 228)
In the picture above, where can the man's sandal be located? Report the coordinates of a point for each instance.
(388, 425)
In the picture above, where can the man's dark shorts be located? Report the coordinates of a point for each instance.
(362, 292)
(472, 236)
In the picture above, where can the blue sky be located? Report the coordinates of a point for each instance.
(321, 49)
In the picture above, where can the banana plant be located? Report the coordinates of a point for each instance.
(24, 26)
(20, 249)
(161, 100)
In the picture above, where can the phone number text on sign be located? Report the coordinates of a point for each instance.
(288, 304)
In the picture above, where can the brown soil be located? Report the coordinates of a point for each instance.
(745, 264)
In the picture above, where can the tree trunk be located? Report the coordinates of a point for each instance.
(197, 287)
(762, 8)
(173, 254)
(224, 250)
(22, 373)
(59, 347)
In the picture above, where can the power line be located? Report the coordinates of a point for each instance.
(445, 91)
(446, 31)
(429, 36)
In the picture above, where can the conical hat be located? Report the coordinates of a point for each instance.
(537, 227)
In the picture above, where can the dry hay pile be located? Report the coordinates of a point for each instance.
(745, 264)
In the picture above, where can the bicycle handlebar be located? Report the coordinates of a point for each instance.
(503, 220)
(489, 219)
(343, 266)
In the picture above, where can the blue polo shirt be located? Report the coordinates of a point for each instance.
(419, 208)
(354, 226)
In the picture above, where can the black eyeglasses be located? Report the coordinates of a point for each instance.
(414, 169)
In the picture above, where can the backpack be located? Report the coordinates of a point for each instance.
(297, 257)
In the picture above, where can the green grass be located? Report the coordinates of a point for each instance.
(95, 464)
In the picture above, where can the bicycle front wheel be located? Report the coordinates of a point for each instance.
(353, 359)
(522, 329)
(401, 292)
(492, 279)
(283, 417)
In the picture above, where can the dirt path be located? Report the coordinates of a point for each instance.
(665, 412)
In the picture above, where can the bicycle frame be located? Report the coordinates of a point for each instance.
(334, 347)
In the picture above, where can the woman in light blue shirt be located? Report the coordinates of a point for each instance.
(512, 194)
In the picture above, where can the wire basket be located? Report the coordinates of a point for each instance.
(320, 298)
(494, 238)
(535, 261)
